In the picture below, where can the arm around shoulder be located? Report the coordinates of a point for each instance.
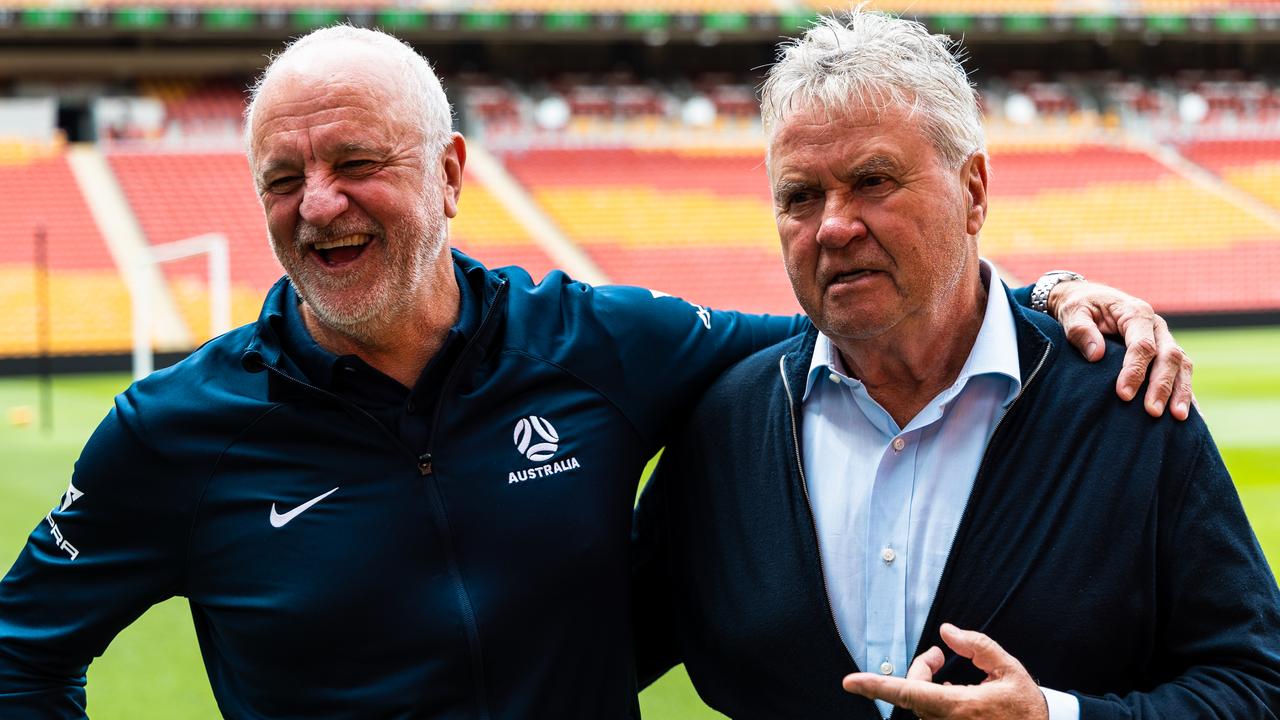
(653, 354)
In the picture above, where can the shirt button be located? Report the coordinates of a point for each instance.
(888, 555)
(834, 378)
(886, 668)
(898, 444)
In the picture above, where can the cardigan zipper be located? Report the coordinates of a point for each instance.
(964, 512)
(813, 524)
(804, 485)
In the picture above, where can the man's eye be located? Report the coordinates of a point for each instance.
(798, 198)
(875, 184)
(283, 184)
(357, 165)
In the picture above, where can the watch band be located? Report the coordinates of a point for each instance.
(1046, 284)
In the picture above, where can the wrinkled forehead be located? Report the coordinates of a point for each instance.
(812, 120)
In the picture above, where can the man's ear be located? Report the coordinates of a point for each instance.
(453, 160)
(974, 177)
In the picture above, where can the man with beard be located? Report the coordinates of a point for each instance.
(406, 490)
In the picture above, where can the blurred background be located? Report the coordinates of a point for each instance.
(1134, 141)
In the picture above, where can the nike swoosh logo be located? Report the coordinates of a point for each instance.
(279, 521)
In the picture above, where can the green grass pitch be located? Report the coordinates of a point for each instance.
(153, 669)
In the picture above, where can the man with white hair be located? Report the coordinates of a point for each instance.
(406, 490)
(927, 467)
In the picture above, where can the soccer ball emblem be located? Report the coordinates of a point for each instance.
(526, 428)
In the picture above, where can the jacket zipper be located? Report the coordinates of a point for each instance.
(424, 465)
(964, 512)
(425, 460)
(437, 502)
(813, 524)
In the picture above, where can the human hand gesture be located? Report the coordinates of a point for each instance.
(1008, 693)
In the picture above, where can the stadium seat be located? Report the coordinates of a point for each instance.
(88, 310)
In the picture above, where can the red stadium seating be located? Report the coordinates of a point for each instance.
(486, 231)
(181, 195)
(89, 304)
(1122, 218)
(1250, 165)
(699, 226)
(696, 225)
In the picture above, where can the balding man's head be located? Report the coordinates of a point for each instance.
(380, 58)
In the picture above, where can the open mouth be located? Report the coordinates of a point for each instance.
(852, 276)
(343, 250)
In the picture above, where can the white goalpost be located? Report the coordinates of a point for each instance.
(141, 292)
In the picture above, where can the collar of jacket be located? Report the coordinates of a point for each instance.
(266, 351)
(1036, 332)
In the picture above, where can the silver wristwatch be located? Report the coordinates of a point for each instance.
(1046, 284)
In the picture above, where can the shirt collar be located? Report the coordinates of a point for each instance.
(994, 352)
(317, 364)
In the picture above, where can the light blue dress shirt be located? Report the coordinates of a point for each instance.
(887, 500)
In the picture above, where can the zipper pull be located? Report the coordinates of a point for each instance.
(424, 464)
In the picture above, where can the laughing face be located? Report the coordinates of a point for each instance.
(877, 230)
(355, 205)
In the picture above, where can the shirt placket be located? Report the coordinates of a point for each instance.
(886, 558)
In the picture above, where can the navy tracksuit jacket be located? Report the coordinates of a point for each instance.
(337, 570)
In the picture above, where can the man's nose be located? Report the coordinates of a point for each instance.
(322, 201)
(841, 224)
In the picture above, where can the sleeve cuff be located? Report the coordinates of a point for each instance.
(1062, 706)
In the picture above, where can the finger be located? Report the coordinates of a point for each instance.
(929, 662)
(1166, 374)
(1183, 397)
(1140, 350)
(923, 697)
(986, 654)
(1082, 331)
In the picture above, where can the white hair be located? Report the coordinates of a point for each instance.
(875, 61)
(419, 87)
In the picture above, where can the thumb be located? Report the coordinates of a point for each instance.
(928, 663)
(1082, 331)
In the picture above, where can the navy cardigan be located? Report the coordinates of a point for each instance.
(1105, 549)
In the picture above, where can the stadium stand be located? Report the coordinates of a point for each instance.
(177, 195)
(1063, 7)
(89, 304)
(485, 230)
(1250, 165)
(679, 6)
(662, 185)
(915, 7)
(701, 227)
(197, 109)
(1121, 217)
(696, 224)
